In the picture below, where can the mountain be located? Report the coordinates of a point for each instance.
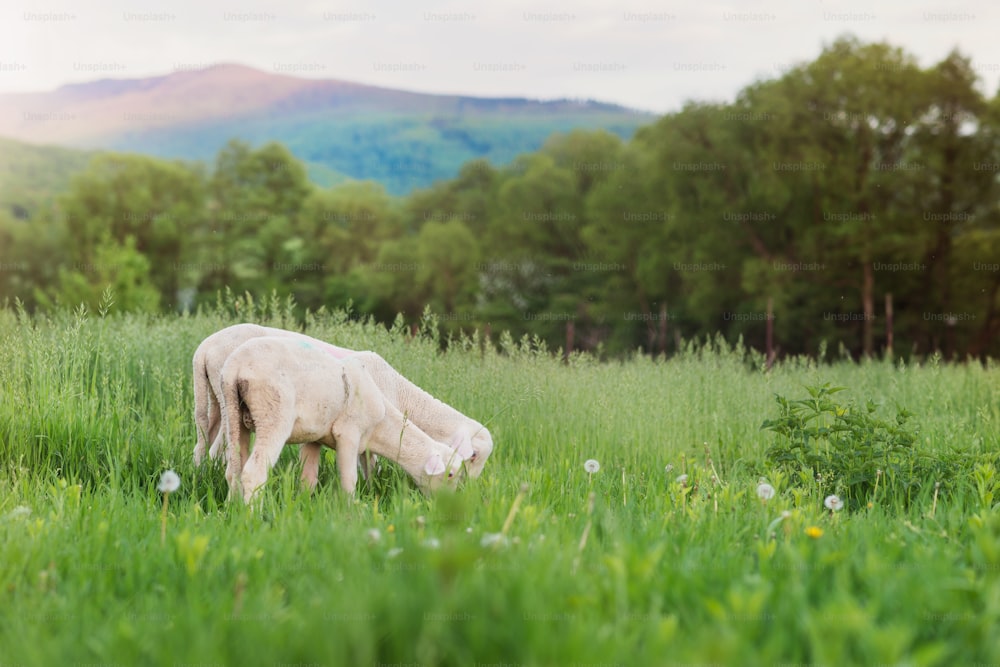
(339, 129)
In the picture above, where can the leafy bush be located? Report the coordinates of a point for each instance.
(848, 450)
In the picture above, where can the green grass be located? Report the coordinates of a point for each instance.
(93, 409)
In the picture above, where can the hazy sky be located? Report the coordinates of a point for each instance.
(647, 54)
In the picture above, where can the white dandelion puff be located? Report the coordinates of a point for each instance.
(591, 466)
(169, 482)
(765, 491)
(19, 512)
(493, 540)
(833, 503)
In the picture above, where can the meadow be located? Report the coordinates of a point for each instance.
(666, 555)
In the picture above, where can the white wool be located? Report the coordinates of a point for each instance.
(293, 391)
(470, 439)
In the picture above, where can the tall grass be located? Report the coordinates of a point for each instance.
(702, 571)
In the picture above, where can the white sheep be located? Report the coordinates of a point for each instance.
(207, 363)
(289, 390)
(437, 419)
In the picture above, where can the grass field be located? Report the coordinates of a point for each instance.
(520, 567)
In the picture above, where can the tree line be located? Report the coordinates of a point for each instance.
(853, 200)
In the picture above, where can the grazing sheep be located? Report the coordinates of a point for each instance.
(208, 360)
(289, 390)
(435, 418)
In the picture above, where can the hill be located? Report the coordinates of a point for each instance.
(339, 129)
(31, 175)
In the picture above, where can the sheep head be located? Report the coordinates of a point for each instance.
(473, 448)
(443, 471)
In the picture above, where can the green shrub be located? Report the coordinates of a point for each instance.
(847, 449)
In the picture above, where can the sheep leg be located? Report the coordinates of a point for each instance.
(348, 443)
(199, 447)
(271, 412)
(237, 433)
(266, 451)
(201, 419)
(236, 457)
(309, 455)
(218, 445)
(214, 435)
(368, 462)
(238, 453)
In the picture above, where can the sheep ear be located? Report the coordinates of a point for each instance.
(434, 465)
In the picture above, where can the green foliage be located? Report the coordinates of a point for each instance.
(127, 205)
(118, 269)
(403, 151)
(31, 176)
(847, 449)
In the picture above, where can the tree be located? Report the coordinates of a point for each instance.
(256, 195)
(336, 240)
(844, 151)
(950, 142)
(155, 203)
(117, 266)
(447, 255)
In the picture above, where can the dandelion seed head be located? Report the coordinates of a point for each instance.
(19, 512)
(374, 535)
(169, 482)
(765, 491)
(591, 466)
(682, 479)
(833, 503)
(492, 540)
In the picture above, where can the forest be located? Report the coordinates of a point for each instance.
(849, 204)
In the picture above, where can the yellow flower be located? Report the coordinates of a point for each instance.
(814, 532)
